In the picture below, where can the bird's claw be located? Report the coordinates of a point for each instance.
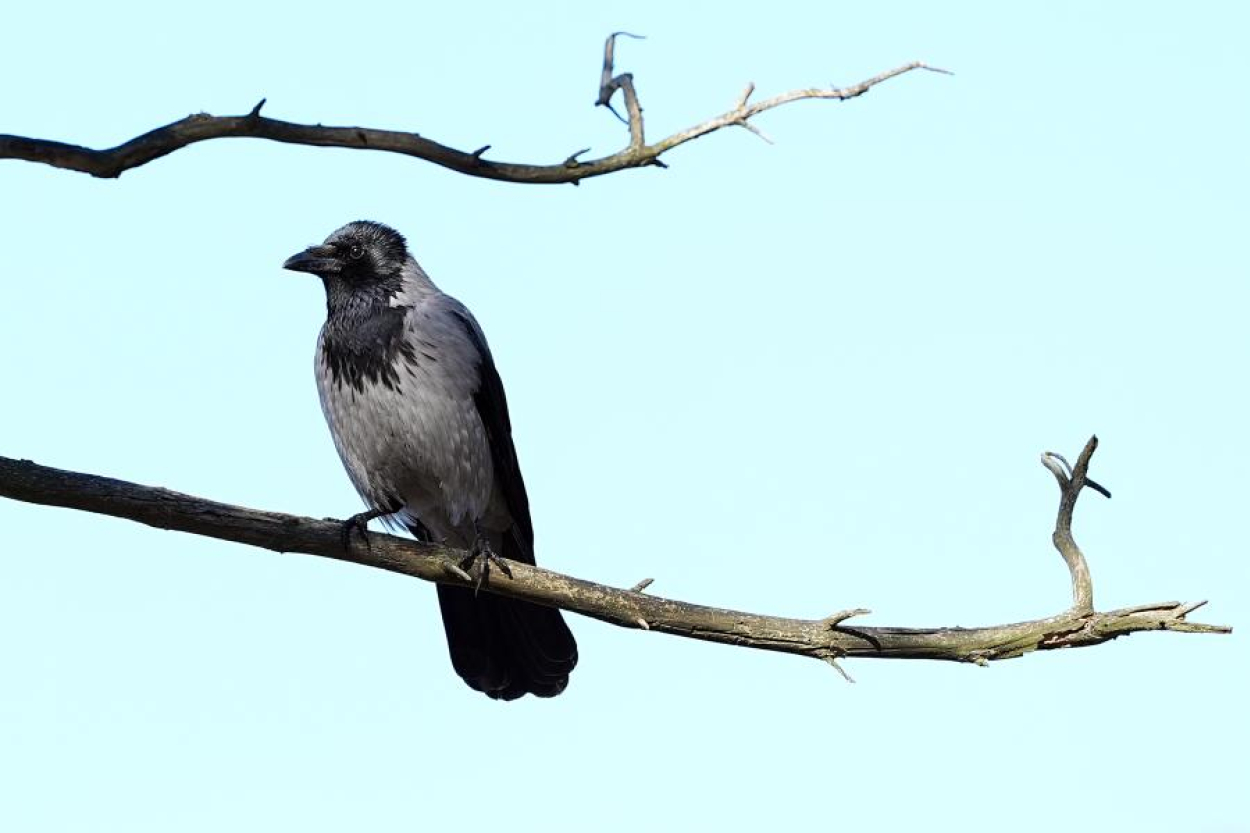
(360, 523)
(482, 551)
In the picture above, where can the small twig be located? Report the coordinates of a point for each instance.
(832, 622)
(1097, 488)
(255, 113)
(832, 660)
(746, 95)
(837, 620)
(1067, 467)
(571, 160)
(1155, 607)
(642, 585)
(1184, 610)
(607, 84)
(612, 110)
(756, 131)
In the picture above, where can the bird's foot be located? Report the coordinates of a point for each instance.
(359, 523)
(481, 550)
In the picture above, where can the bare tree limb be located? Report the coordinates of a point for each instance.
(201, 127)
(827, 638)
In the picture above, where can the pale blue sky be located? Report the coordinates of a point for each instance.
(791, 379)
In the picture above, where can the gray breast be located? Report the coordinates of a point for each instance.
(404, 421)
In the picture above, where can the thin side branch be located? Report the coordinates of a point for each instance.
(827, 638)
(1071, 481)
(609, 84)
(201, 127)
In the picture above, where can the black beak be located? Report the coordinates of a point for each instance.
(320, 260)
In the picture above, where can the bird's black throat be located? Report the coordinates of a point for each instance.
(363, 340)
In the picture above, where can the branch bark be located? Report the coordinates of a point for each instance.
(112, 162)
(827, 638)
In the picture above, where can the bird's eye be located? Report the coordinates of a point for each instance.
(356, 252)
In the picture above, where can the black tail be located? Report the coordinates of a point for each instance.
(504, 647)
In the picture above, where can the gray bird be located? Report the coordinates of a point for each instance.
(419, 418)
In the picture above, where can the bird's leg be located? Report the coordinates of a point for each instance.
(420, 531)
(360, 523)
(481, 549)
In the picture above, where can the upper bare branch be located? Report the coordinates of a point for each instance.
(828, 638)
(201, 127)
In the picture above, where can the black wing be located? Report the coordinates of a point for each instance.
(492, 409)
(504, 647)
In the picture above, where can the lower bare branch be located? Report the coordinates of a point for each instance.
(826, 638)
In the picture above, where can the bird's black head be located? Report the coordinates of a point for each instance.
(361, 256)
